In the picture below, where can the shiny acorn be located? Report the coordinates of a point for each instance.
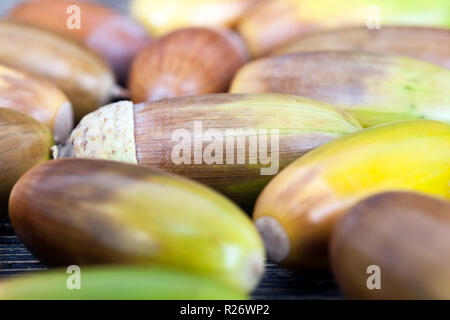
(117, 283)
(423, 43)
(231, 142)
(38, 98)
(374, 88)
(24, 143)
(296, 212)
(274, 23)
(187, 62)
(161, 17)
(116, 37)
(394, 245)
(82, 211)
(82, 75)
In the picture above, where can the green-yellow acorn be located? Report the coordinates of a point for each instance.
(297, 210)
(374, 88)
(80, 211)
(116, 283)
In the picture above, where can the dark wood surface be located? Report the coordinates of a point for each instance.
(278, 283)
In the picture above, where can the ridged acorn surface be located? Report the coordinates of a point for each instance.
(374, 88)
(117, 283)
(397, 244)
(233, 143)
(80, 211)
(296, 212)
(424, 43)
(24, 143)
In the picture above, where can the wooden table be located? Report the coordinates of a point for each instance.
(278, 283)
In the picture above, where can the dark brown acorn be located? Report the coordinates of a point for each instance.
(394, 245)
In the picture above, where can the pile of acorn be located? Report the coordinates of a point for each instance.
(334, 137)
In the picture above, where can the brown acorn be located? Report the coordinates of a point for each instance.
(38, 98)
(24, 143)
(234, 143)
(375, 88)
(113, 35)
(82, 75)
(275, 23)
(428, 44)
(394, 245)
(186, 62)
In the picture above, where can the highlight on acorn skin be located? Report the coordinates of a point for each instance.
(274, 23)
(81, 211)
(162, 17)
(147, 134)
(297, 210)
(38, 98)
(187, 62)
(116, 37)
(395, 243)
(118, 283)
(24, 143)
(81, 74)
(424, 43)
(374, 88)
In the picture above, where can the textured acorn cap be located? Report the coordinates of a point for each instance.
(143, 134)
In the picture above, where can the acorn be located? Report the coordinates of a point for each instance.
(233, 143)
(394, 245)
(186, 62)
(116, 37)
(161, 17)
(116, 283)
(297, 210)
(374, 88)
(82, 211)
(424, 43)
(82, 75)
(24, 143)
(38, 98)
(274, 23)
